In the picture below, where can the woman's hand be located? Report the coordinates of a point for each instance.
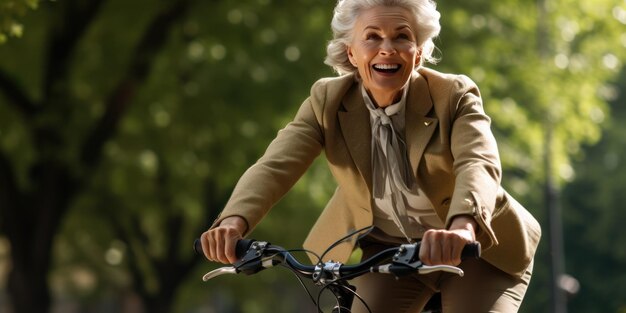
(218, 244)
(441, 246)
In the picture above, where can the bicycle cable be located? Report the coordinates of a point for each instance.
(344, 287)
(296, 274)
(367, 230)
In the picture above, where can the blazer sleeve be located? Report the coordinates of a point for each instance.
(476, 160)
(285, 160)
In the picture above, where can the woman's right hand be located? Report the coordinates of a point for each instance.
(218, 243)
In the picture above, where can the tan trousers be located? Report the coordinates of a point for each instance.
(483, 288)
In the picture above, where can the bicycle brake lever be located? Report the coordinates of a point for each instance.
(220, 271)
(427, 269)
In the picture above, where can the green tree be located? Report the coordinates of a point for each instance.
(535, 70)
(11, 12)
(594, 223)
(124, 126)
(51, 141)
(540, 69)
(152, 115)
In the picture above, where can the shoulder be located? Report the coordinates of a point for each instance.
(450, 91)
(439, 82)
(330, 88)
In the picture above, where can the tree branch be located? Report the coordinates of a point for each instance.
(10, 215)
(121, 97)
(133, 259)
(75, 21)
(16, 95)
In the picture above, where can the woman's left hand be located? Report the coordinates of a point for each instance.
(440, 246)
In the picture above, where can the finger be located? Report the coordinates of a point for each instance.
(214, 245)
(430, 251)
(230, 248)
(453, 244)
(461, 238)
(206, 250)
(436, 248)
(456, 246)
(447, 247)
(456, 250)
(424, 253)
(220, 242)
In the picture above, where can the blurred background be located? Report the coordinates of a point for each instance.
(124, 126)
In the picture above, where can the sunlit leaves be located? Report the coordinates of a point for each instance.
(11, 13)
(234, 72)
(496, 43)
(593, 202)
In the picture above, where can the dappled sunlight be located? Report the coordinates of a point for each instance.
(124, 127)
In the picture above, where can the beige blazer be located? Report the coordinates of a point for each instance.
(451, 149)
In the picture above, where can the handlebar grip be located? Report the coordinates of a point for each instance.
(197, 246)
(240, 250)
(242, 247)
(471, 251)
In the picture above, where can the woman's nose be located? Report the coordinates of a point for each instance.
(387, 47)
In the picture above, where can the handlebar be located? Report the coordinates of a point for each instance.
(471, 250)
(255, 256)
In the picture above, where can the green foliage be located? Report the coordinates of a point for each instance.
(593, 219)
(532, 81)
(228, 76)
(11, 12)
(539, 72)
(217, 92)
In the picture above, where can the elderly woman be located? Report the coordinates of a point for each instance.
(413, 155)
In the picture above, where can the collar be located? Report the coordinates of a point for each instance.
(395, 108)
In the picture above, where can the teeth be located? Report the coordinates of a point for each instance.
(386, 66)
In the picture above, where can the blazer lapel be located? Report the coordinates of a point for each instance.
(419, 126)
(356, 129)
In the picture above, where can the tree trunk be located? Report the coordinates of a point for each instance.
(31, 222)
(28, 290)
(30, 217)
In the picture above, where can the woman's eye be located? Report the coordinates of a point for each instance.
(371, 36)
(404, 36)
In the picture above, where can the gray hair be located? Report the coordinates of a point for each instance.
(345, 16)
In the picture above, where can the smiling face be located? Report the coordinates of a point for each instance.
(384, 50)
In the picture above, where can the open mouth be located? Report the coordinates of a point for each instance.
(386, 68)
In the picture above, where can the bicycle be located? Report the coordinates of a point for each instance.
(255, 256)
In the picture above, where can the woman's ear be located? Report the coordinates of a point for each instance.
(350, 56)
(418, 57)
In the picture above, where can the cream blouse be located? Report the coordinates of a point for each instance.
(421, 213)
